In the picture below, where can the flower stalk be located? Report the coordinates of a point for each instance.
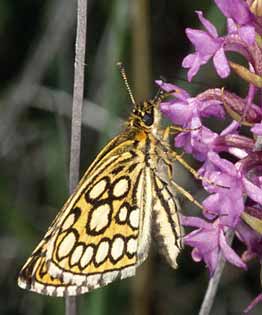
(78, 95)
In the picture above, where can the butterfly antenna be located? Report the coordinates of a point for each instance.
(158, 95)
(123, 74)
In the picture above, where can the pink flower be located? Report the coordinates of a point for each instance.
(227, 203)
(239, 19)
(208, 241)
(208, 45)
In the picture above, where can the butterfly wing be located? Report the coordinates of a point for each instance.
(167, 230)
(95, 238)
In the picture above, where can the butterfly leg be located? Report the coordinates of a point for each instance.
(172, 155)
(175, 129)
(166, 174)
(185, 193)
(178, 157)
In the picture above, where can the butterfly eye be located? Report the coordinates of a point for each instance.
(148, 119)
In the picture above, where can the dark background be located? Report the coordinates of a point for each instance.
(36, 75)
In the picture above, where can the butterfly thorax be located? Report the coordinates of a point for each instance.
(145, 131)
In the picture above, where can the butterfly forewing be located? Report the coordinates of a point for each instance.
(103, 232)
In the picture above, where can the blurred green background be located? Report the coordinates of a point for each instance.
(36, 71)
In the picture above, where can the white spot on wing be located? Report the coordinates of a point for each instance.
(109, 276)
(38, 287)
(50, 290)
(71, 290)
(68, 222)
(66, 245)
(100, 218)
(120, 188)
(60, 291)
(21, 283)
(67, 276)
(134, 218)
(79, 279)
(128, 272)
(122, 214)
(98, 189)
(117, 248)
(77, 253)
(93, 280)
(53, 270)
(87, 256)
(131, 246)
(102, 252)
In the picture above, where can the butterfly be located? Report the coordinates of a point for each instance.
(104, 230)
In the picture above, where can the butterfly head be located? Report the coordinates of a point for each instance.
(145, 114)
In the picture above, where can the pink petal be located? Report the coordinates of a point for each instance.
(229, 254)
(212, 260)
(196, 255)
(193, 70)
(205, 45)
(221, 64)
(194, 221)
(232, 128)
(257, 300)
(211, 108)
(208, 25)
(253, 191)
(248, 34)
(178, 112)
(189, 60)
(211, 204)
(178, 92)
(257, 129)
(222, 164)
(183, 140)
(236, 9)
(241, 154)
(231, 26)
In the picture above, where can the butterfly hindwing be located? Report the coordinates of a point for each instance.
(167, 229)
